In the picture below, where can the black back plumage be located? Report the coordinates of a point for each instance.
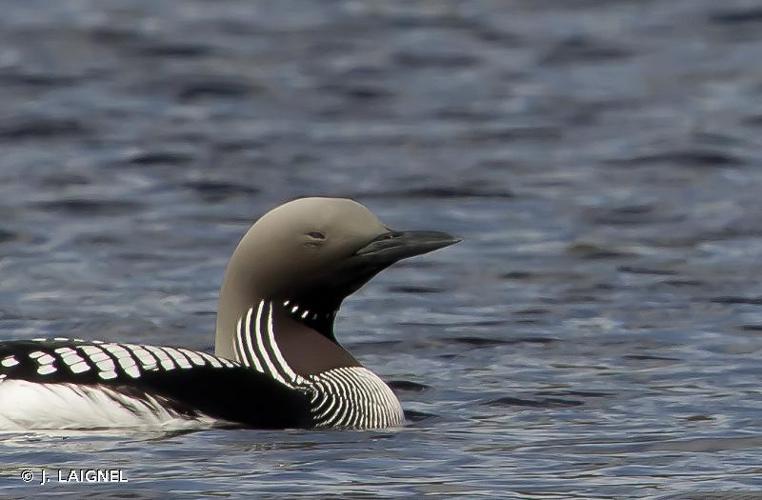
(202, 385)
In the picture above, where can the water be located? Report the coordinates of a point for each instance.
(596, 334)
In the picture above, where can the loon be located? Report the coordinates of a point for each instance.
(277, 363)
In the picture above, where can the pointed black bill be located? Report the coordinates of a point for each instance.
(359, 267)
(396, 245)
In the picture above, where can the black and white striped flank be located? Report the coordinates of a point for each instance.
(75, 360)
(73, 384)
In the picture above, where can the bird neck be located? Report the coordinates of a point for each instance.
(316, 315)
(282, 337)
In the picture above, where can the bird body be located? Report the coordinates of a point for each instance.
(277, 363)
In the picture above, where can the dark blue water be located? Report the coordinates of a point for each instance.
(596, 335)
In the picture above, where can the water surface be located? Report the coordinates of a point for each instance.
(596, 335)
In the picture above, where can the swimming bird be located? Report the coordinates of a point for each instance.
(277, 363)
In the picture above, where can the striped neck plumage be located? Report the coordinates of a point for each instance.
(311, 316)
(271, 331)
(256, 346)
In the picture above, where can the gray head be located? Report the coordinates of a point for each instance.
(315, 252)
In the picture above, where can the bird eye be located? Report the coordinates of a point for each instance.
(317, 235)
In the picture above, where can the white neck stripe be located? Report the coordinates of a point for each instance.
(257, 364)
(294, 378)
(261, 348)
(240, 354)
